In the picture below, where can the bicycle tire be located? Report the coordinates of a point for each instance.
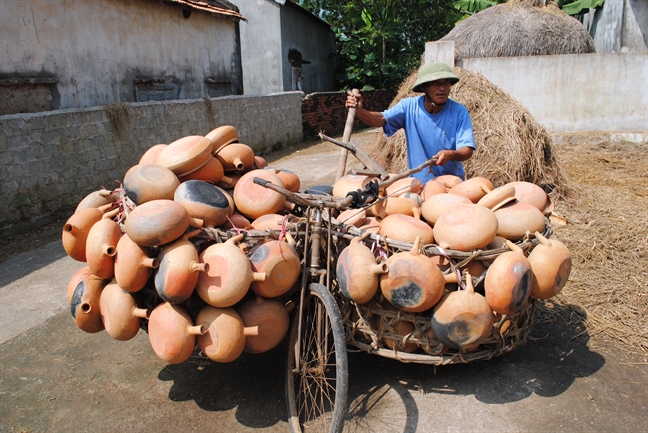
(317, 394)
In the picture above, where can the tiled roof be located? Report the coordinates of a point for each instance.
(219, 7)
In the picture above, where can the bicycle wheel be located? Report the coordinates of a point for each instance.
(317, 391)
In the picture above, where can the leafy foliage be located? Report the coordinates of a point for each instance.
(380, 42)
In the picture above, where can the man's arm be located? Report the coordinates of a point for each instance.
(462, 154)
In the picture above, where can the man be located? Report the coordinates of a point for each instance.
(435, 126)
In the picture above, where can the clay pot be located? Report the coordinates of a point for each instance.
(224, 339)
(465, 227)
(290, 179)
(530, 193)
(179, 269)
(497, 243)
(508, 281)
(148, 182)
(413, 283)
(517, 219)
(211, 172)
(416, 198)
(551, 264)
(78, 276)
(350, 182)
(270, 318)
(498, 197)
(260, 162)
(474, 267)
(222, 136)
(229, 181)
(474, 188)
(271, 221)
(406, 228)
(158, 222)
(228, 276)
(133, 265)
(75, 231)
(432, 187)
(101, 246)
(393, 205)
(84, 303)
(403, 328)
(186, 155)
(401, 186)
(462, 318)
(280, 263)
(172, 333)
(235, 156)
(119, 312)
(254, 200)
(204, 201)
(151, 154)
(236, 221)
(371, 225)
(357, 271)
(449, 180)
(96, 199)
(352, 217)
(434, 206)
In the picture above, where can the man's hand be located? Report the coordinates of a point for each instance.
(463, 154)
(354, 99)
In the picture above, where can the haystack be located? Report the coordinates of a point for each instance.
(520, 28)
(511, 145)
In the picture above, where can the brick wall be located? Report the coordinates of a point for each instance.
(324, 111)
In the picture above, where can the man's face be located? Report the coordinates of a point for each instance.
(438, 91)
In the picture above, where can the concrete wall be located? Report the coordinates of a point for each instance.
(51, 160)
(97, 49)
(261, 46)
(576, 92)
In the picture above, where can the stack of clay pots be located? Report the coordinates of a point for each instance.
(451, 215)
(151, 264)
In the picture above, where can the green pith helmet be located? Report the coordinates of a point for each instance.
(431, 72)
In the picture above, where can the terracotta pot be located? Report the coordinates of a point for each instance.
(84, 303)
(530, 193)
(172, 333)
(101, 246)
(474, 267)
(462, 319)
(402, 328)
(551, 264)
(204, 201)
(371, 225)
(222, 136)
(260, 162)
(235, 156)
(413, 283)
(224, 340)
(357, 272)
(151, 154)
(186, 155)
(158, 222)
(516, 219)
(238, 221)
(508, 281)
(96, 199)
(401, 186)
(290, 179)
(148, 182)
(281, 265)
(75, 231)
(269, 317)
(229, 274)
(406, 228)
(394, 205)
(465, 227)
(120, 313)
(270, 221)
(449, 180)
(78, 276)
(177, 275)
(352, 217)
(432, 187)
(474, 188)
(498, 197)
(229, 181)
(350, 182)
(434, 206)
(133, 265)
(211, 172)
(497, 243)
(254, 200)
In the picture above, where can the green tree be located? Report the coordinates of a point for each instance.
(379, 42)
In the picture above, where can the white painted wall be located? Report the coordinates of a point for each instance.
(96, 48)
(576, 92)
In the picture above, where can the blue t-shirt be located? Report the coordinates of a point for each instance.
(427, 134)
